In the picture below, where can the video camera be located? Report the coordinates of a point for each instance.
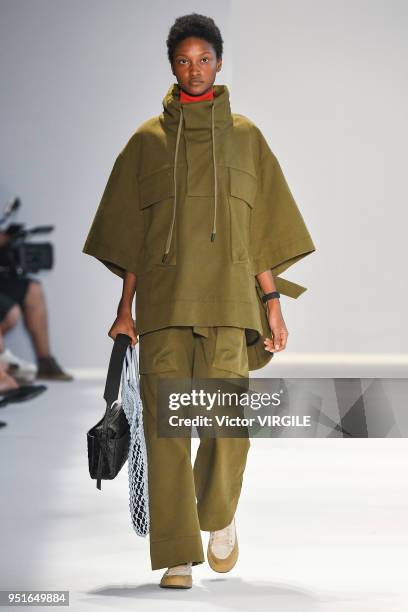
(17, 255)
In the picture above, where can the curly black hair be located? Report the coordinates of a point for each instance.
(197, 25)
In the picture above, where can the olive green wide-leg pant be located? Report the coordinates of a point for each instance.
(184, 499)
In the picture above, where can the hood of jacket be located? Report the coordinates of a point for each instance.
(199, 119)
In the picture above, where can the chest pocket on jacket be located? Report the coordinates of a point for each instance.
(156, 199)
(242, 192)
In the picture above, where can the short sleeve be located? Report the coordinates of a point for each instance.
(115, 237)
(279, 235)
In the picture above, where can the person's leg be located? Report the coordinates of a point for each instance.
(35, 315)
(36, 318)
(18, 371)
(220, 462)
(175, 536)
(10, 314)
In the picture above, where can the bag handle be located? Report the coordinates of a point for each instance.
(132, 365)
(115, 368)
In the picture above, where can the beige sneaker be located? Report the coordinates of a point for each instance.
(178, 576)
(222, 550)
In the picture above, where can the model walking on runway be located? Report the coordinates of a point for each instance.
(198, 221)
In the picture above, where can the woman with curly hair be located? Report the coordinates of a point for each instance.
(198, 221)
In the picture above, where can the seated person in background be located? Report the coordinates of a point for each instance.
(17, 370)
(26, 297)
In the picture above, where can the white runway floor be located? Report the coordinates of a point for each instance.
(322, 524)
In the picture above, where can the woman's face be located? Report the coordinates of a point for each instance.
(195, 65)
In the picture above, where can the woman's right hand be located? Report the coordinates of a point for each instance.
(124, 324)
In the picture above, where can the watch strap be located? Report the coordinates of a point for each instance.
(270, 296)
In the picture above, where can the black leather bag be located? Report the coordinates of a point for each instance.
(108, 440)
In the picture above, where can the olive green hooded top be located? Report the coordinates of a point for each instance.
(196, 205)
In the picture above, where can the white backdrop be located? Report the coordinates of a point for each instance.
(325, 82)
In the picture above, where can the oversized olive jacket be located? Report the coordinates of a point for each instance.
(196, 205)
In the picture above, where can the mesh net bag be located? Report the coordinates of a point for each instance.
(137, 458)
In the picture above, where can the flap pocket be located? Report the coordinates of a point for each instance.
(156, 186)
(158, 351)
(230, 352)
(243, 185)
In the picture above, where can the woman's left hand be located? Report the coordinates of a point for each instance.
(279, 332)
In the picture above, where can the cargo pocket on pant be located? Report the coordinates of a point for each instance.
(230, 351)
(157, 352)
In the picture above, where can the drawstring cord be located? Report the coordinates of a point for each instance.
(170, 234)
(166, 252)
(215, 174)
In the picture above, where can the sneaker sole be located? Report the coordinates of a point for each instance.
(223, 565)
(177, 582)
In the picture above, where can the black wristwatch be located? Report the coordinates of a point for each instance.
(270, 296)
